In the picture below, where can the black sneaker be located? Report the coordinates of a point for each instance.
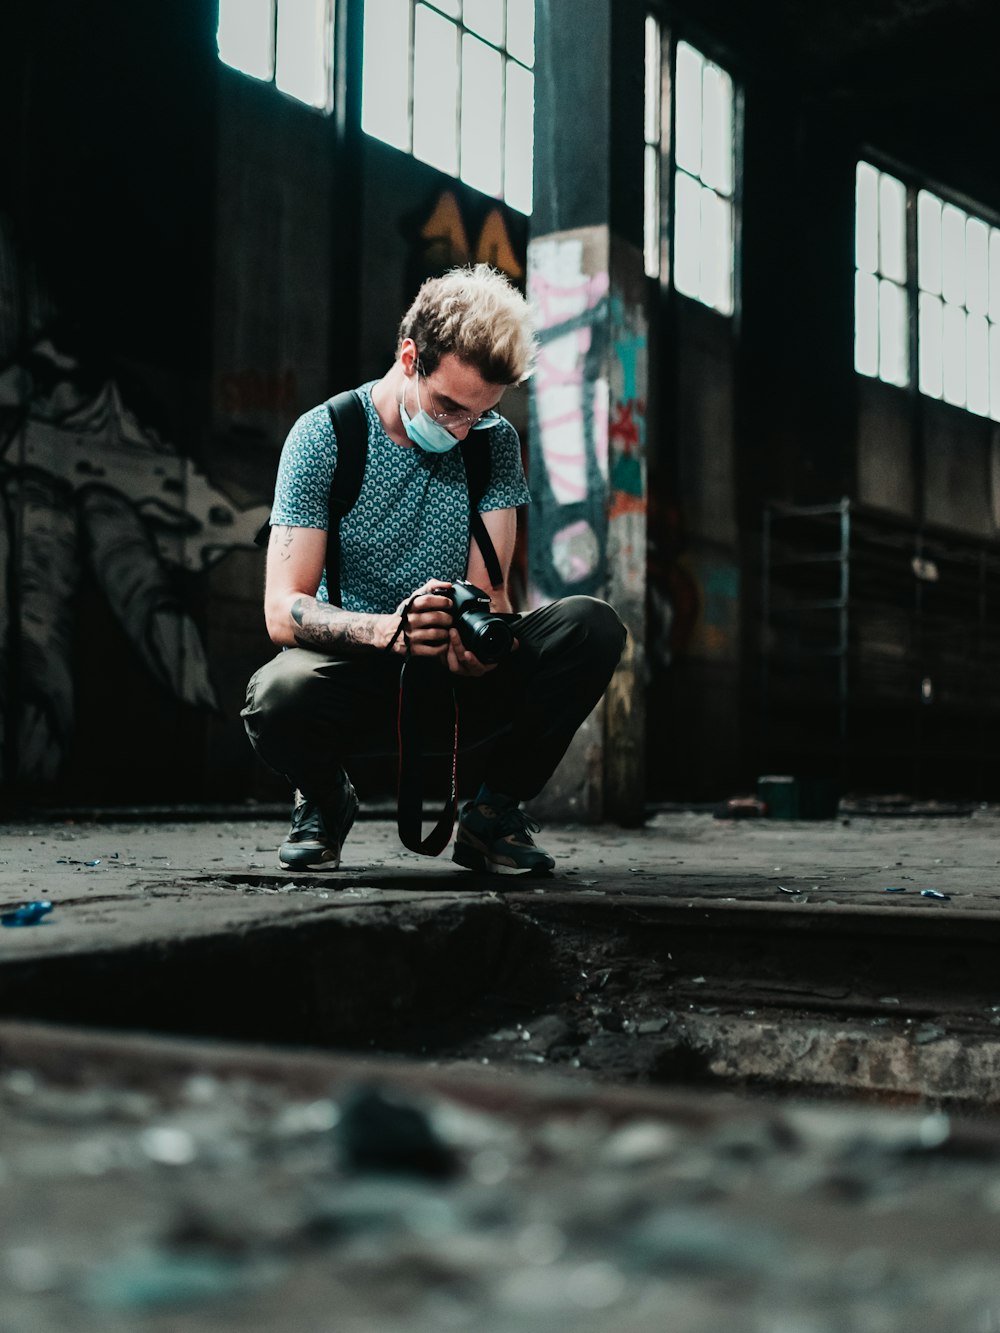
(319, 828)
(499, 841)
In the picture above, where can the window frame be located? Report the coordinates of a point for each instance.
(463, 31)
(670, 40)
(329, 59)
(915, 182)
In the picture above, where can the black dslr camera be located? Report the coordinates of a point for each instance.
(481, 630)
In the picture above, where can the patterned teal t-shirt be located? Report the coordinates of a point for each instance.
(411, 519)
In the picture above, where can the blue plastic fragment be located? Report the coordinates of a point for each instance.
(95, 862)
(894, 888)
(933, 893)
(28, 915)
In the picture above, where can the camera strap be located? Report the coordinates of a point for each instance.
(426, 696)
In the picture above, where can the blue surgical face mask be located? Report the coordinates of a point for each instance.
(424, 431)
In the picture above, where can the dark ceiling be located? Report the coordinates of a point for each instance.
(838, 40)
(913, 79)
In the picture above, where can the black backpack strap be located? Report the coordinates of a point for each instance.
(350, 425)
(477, 457)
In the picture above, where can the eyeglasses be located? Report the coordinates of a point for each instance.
(474, 421)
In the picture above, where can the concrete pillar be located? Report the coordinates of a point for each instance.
(587, 524)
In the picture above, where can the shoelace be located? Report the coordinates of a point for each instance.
(306, 817)
(515, 820)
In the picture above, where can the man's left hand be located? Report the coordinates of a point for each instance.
(463, 663)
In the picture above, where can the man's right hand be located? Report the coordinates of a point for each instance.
(428, 620)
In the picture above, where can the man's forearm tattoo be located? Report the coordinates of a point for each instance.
(331, 630)
(284, 541)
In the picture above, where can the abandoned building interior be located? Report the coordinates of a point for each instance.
(735, 1064)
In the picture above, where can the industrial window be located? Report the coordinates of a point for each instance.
(881, 307)
(652, 134)
(951, 284)
(288, 42)
(958, 331)
(704, 178)
(452, 83)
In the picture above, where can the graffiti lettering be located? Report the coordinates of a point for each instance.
(494, 246)
(445, 239)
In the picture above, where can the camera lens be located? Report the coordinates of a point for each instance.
(489, 637)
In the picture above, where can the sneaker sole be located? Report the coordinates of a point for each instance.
(327, 859)
(473, 859)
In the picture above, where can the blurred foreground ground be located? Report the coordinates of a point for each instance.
(619, 1098)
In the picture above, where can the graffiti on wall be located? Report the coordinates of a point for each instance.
(627, 457)
(88, 491)
(441, 238)
(588, 424)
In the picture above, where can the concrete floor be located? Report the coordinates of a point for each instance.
(619, 1065)
(125, 882)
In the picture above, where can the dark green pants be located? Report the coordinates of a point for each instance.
(308, 714)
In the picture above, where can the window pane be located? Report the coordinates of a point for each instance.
(453, 8)
(866, 219)
(385, 86)
(892, 228)
(893, 358)
(717, 147)
(995, 372)
(301, 64)
(929, 336)
(246, 36)
(995, 275)
(486, 18)
(519, 146)
(435, 90)
(954, 355)
(687, 234)
(929, 242)
(521, 30)
(651, 211)
(482, 115)
(866, 323)
(716, 251)
(953, 257)
(977, 245)
(977, 355)
(651, 131)
(688, 99)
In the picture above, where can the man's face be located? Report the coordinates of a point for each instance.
(455, 394)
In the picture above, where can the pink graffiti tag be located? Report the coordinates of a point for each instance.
(565, 296)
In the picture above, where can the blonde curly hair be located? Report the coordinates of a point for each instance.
(477, 314)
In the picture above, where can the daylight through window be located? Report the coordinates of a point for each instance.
(704, 180)
(958, 276)
(881, 307)
(652, 148)
(452, 83)
(289, 42)
(952, 286)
